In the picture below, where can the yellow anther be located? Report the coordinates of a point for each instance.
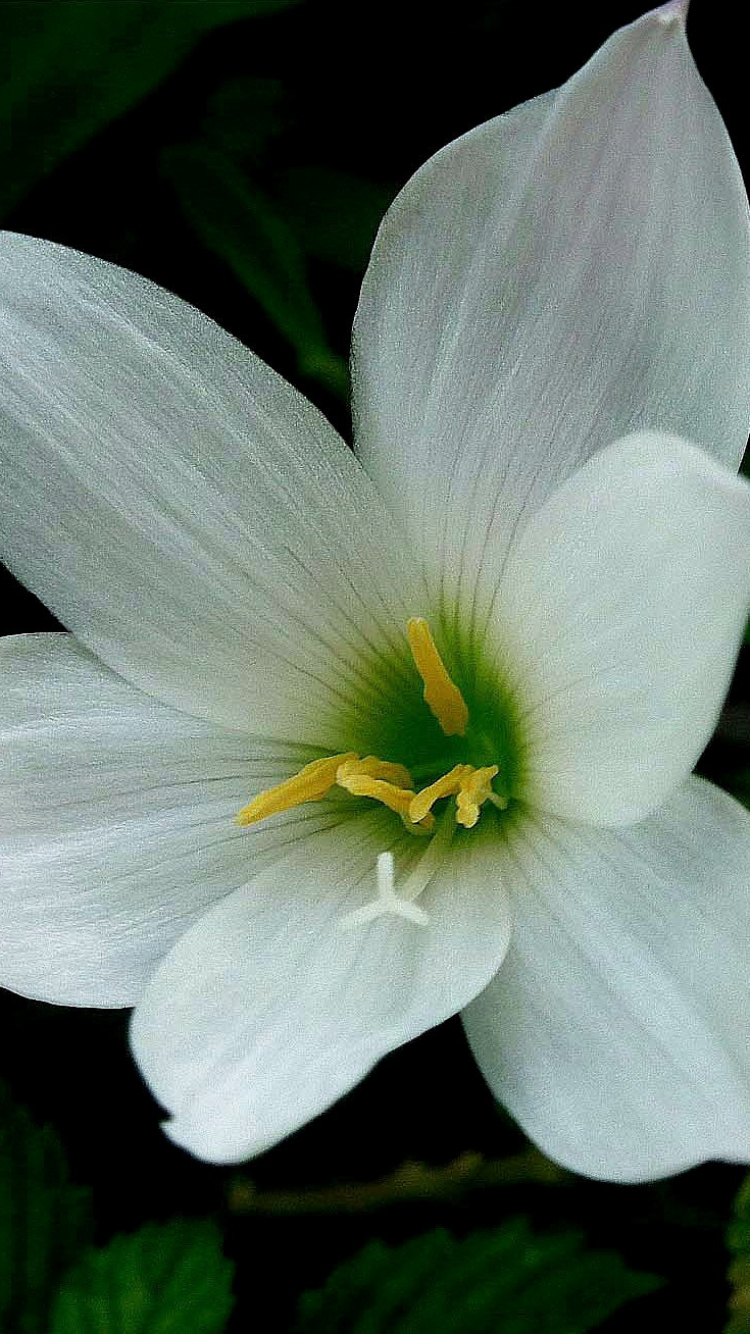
(475, 788)
(447, 786)
(385, 781)
(442, 697)
(372, 767)
(468, 785)
(396, 798)
(310, 784)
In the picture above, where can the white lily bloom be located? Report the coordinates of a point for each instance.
(495, 642)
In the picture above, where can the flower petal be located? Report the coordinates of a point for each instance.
(116, 823)
(192, 519)
(618, 1029)
(564, 274)
(620, 613)
(268, 1010)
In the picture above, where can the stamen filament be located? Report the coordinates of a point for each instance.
(442, 697)
(500, 802)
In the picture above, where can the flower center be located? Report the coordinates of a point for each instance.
(392, 783)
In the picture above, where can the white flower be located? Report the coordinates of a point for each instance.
(556, 303)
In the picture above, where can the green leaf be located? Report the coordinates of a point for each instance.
(506, 1281)
(243, 117)
(69, 68)
(334, 214)
(167, 1278)
(44, 1220)
(240, 225)
(738, 1241)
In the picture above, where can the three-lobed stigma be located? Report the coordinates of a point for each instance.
(389, 783)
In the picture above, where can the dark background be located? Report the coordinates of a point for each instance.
(249, 179)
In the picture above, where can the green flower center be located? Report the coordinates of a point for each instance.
(456, 739)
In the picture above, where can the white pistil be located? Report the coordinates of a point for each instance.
(387, 900)
(403, 904)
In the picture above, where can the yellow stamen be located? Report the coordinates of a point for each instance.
(470, 786)
(353, 775)
(447, 786)
(475, 789)
(390, 783)
(442, 697)
(375, 768)
(311, 784)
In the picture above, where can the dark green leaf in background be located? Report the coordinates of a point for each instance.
(266, 222)
(240, 224)
(70, 67)
(167, 1278)
(506, 1281)
(244, 117)
(738, 1241)
(334, 214)
(44, 1220)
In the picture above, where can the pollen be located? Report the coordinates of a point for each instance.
(442, 697)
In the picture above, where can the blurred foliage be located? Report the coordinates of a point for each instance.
(67, 69)
(163, 1279)
(334, 213)
(166, 1278)
(738, 1242)
(44, 1218)
(267, 223)
(506, 1281)
(240, 224)
(410, 1181)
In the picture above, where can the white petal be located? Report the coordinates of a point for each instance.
(620, 613)
(183, 510)
(269, 1009)
(116, 823)
(618, 1029)
(565, 274)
